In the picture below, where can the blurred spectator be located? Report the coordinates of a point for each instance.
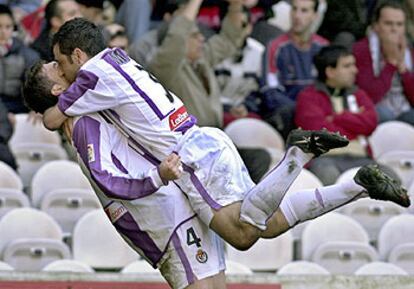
(15, 58)
(92, 10)
(409, 8)
(57, 12)
(385, 63)
(115, 36)
(335, 103)
(6, 131)
(21, 8)
(288, 66)
(184, 63)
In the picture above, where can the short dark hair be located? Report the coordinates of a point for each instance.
(79, 33)
(37, 88)
(328, 56)
(51, 10)
(4, 9)
(386, 4)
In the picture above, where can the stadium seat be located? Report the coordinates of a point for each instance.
(235, 268)
(410, 209)
(266, 254)
(68, 266)
(96, 243)
(33, 254)
(254, 133)
(67, 206)
(402, 162)
(372, 214)
(391, 136)
(55, 175)
(380, 268)
(140, 266)
(5, 267)
(347, 175)
(9, 179)
(396, 242)
(27, 132)
(31, 157)
(338, 243)
(11, 199)
(302, 268)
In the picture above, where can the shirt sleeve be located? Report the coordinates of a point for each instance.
(94, 148)
(88, 94)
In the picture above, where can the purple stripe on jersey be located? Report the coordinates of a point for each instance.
(200, 188)
(127, 226)
(184, 260)
(107, 57)
(86, 137)
(85, 80)
(187, 125)
(118, 164)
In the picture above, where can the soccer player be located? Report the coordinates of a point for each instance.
(214, 179)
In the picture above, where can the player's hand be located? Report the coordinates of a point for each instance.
(171, 168)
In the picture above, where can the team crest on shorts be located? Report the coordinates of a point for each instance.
(201, 256)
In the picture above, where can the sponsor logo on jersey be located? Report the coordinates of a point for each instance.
(201, 256)
(178, 117)
(91, 153)
(115, 211)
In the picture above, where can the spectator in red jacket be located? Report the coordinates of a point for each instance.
(385, 63)
(335, 103)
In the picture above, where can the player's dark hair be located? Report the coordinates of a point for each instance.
(79, 33)
(386, 4)
(328, 56)
(4, 9)
(37, 89)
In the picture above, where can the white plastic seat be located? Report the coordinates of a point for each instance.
(302, 268)
(140, 266)
(34, 254)
(30, 157)
(67, 206)
(266, 254)
(347, 175)
(96, 243)
(403, 256)
(55, 175)
(68, 266)
(372, 214)
(391, 136)
(11, 199)
(380, 268)
(5, 267)
(254, 133)
(235, 268)
(402, 162)
(25, 131)
(338, 243)
(9, 179)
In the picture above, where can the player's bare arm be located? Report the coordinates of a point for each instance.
(53, 118)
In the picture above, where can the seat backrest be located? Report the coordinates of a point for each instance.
(372, 214)
(140, 266)
(235, 268)
(391, 136)
(396, 231)
(67, 206)
(302, 268)
(380, 268)
(68, 266)
(331, 227)
(5, 267)
(32, 254)
(265, 254)
(254, 133)
(53, 176)
(27, 223)
(11, 199)
(402, 163)
(403, 257)
(26, 131)
(347, 175)
(9, 179)
(96, 243)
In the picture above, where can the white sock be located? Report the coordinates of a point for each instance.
(263, 200)
(301, 206)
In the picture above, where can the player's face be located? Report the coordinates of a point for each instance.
(6, 28)
(343, 75)
(302, 15)
(55, 74)
(391, 24)
(66, 63)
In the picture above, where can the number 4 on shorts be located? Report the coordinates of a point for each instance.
(192, 238)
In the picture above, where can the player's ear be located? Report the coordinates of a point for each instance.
(57, 89)
(79, 56)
